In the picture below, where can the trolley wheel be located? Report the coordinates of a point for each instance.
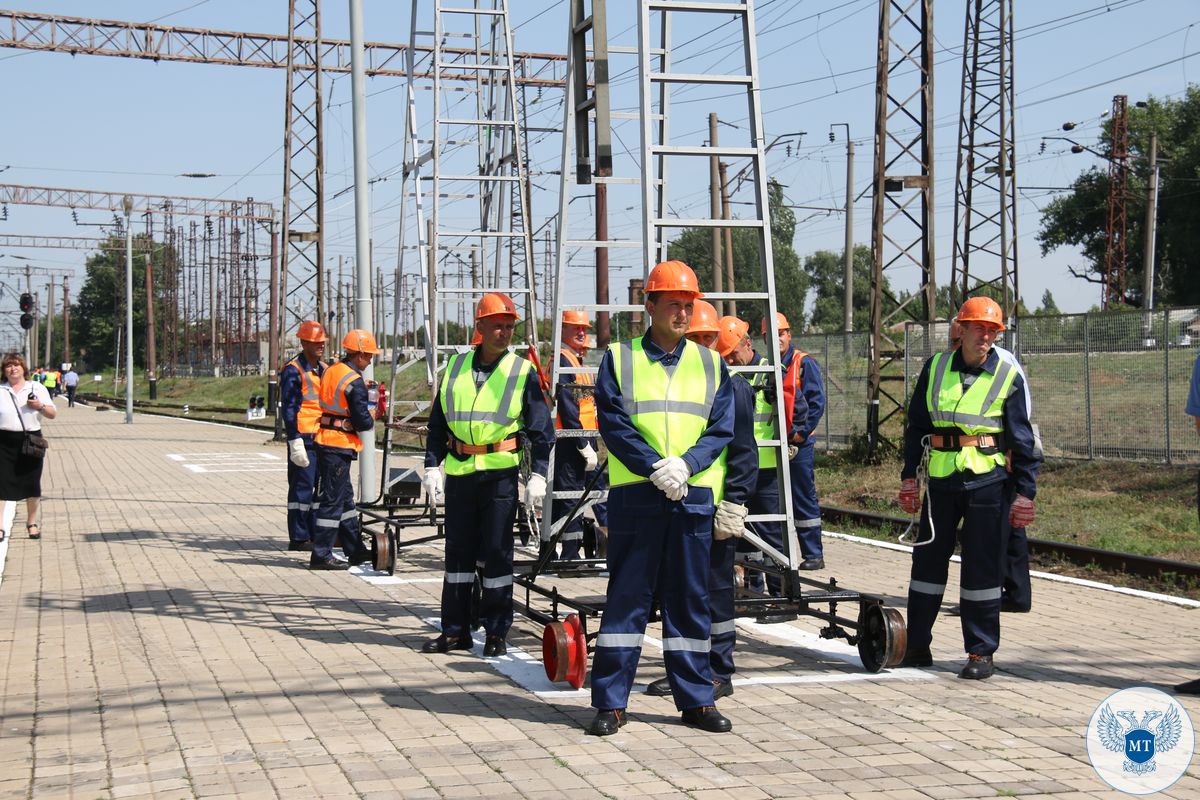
(393, 535)
(564, 651)
(383, 558)
(882, 637)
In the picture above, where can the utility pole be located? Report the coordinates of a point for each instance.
(726, 213)
(363, 315)
(151, 343)
(212, 317)
(848, 254)
(714, 189)
(1151, 226)
(29, 331)
(127, 203)
(49, 322)
(274, 338)
(66, 322)
(1118, 178)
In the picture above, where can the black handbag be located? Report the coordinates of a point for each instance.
(34, 444)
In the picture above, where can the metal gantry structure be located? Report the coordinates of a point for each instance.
(985, 195)
(902, 200)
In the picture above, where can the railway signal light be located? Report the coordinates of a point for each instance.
(26, 302)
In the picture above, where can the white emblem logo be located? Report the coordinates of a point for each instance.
(1140, 740)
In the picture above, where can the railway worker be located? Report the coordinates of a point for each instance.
(300, 404)
(345, 414)
(1193, 409)
(741, 474)
(804, 373)
(665, 407)
(489, 401)
(573, 457)
(1018, 590)
(971, 405)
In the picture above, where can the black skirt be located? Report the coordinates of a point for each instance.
(20, 475)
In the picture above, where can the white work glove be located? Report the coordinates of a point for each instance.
(670, 476)
(730, 520)
(590, 459)
(535, 491)
(297, 454)
(435, 484)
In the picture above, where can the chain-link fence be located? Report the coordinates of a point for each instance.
(1110, 385)
(843, 360)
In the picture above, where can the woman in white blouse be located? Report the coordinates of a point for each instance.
(22, 403)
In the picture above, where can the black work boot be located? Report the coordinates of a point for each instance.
(978, 667)
(917, 658)
(444, 644)
(607, 722)
(659, 688)
(707, 718)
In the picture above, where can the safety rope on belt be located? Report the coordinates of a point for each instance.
(922, 488)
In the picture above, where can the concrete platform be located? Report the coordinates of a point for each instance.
(159, 641)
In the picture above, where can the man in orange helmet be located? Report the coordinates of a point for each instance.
(968, 408)
(803, 373)
(665, 409)
(703, 328)
(489, 401)
(574, 457)
(300, 404)
(345, 414)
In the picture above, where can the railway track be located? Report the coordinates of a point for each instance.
(1149, 567)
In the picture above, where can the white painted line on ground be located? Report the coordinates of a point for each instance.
(1050, 576)
(375, 578)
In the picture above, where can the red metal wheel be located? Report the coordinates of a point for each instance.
(577, 669)
(556, 650)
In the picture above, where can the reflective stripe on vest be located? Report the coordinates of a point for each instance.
(654, 398)
(310, 397)
(766, 421)
(978, 410)
(587, 403)
(485, 416)
(332, 399)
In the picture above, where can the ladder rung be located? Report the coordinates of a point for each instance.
(575, 433)
(707, 223)
(479, 290)
(699, 77)
(694, 150)
(634, 115)
(684, 5)
(736, 295)
(578, 370)
(508, 178)
(600, 243)
(480, 11)
(575, 495)
(627, 50)
(766, 518)
(612, 307)
(618, 181)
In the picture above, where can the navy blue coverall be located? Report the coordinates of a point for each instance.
(569, 465)
(806, 416)
(302, 481)
(481, 508)
(741, 475)
(981, 503)
(656, 544)
(337, 514)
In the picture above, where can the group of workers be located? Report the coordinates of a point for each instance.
(686, 463)
(326, 408)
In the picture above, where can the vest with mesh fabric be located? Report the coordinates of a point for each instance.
(670, 409)
(766, 424)
(487, 415)
(977, 410)
(587, 403)
(332, 398)
(310, 396)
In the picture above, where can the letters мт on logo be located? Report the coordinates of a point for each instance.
(1137, 739)
(1140, 740)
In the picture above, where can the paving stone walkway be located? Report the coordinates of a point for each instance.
(159, 641)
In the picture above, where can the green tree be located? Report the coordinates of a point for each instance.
(826, 271)
(1048, 304)
(1080, 219)
(99, 310)
(694, 247)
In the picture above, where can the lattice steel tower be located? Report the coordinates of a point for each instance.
(902, 203)
(985, 217)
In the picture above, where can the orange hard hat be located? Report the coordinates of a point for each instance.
(730, 333)
(780, 322)
(704, 318)
(672, 276)
(496, 304)
(984, 310)
(311, 331)
(360, 341)
(476, 339)
(576, 318)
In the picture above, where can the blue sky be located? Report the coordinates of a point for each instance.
(129, 125)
